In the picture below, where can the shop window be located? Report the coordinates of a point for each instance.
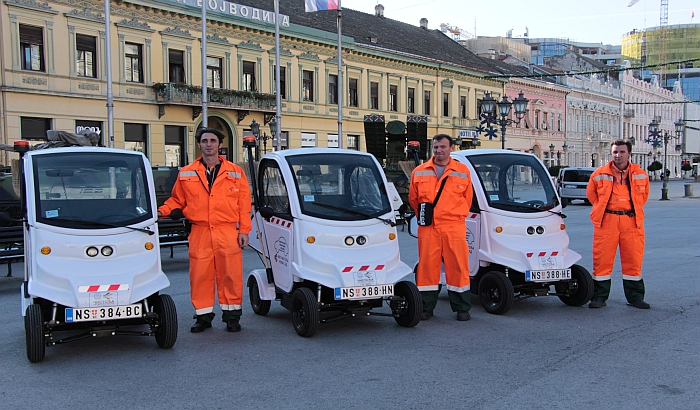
(175, 146)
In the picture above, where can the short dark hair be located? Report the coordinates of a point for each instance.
(220, 135)
(623, 142)
(439, 137)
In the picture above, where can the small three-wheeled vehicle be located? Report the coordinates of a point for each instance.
(518, 245)
(92, 258)
(326, 229)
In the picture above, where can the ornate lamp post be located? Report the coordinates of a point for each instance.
(490, 116)
(565, 148)
(656, 138)
(273, 131)
(255, 129)
(551, 155)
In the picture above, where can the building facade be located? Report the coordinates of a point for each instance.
(54, 74)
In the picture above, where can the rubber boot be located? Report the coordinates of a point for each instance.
(231, 314)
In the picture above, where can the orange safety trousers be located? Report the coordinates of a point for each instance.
(445, 243)
(622, 231)
(216, 266)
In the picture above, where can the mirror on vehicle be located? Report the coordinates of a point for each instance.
(266, 212)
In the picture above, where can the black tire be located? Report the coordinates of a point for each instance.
(166, 332)
(496, 292)
(34, 329)
(260, 307)
(410, 310)
(564, 202)
(305, 316)
(579, 290)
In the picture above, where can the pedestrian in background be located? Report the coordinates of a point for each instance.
(618, 191)
(442, 240)
(213, 194)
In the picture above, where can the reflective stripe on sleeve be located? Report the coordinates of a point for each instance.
(188, 174)
(427, 173)
(603, 177)
(234, 174)
(640, 176)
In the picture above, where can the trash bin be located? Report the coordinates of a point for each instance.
(688, 189)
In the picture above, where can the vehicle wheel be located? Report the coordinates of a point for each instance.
(166, 333)
(496, 292)
(579, 290)
(34, 329)
(305, 315)
(564, 202)
(410, 309)
(260, 307)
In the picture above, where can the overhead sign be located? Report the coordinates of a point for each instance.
(467, 134)
(237, 10)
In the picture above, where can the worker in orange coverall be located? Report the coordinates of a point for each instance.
(444, 241)
(618, 191)
(213, 194)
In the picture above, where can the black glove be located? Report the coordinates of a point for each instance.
(176, 214)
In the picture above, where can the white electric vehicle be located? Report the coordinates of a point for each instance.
(328, 239)
(91, 251)
(518, 245)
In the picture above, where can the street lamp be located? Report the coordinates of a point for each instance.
(551, 155)
(656, 138)
(273, 131)
(255, 129)
(490, 116)
(565, 148)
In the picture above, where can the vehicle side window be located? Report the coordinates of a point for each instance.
(273, 191)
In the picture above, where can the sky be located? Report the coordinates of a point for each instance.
(589, 21)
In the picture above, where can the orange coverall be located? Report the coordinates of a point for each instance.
(217, 217)
(445, 240)
(606, 191)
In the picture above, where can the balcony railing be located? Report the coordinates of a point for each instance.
(628, 113)
(184, 94)
(464, 122)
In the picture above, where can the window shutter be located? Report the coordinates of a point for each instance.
(31, 35)
(85, 43)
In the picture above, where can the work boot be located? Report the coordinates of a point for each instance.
(640, 304)
(232, 325)
(200, 326)
(596, 304)
(463, 315)
(427, 314)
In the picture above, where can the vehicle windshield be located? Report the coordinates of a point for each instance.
(513, 182)
(91, 190)
(342, 187)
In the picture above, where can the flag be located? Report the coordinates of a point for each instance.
(317, 5)
(692, 15)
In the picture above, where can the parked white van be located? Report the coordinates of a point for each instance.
(572, 183)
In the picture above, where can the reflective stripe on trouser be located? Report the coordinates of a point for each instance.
(448, 245)
(622, 231)
(216, 266)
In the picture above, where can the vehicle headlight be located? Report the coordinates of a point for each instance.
(540, 230)
(361, 240)
(107, 250)
(530, 230)
(92, 251)
(349, 240)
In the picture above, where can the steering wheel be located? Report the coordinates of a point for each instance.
(534, 203)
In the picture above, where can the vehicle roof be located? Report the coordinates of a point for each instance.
(473, 152)
(306, 151)
(82, 150)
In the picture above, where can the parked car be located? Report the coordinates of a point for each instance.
(572, 183)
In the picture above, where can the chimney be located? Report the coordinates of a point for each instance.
(424, 23)
(379, 10)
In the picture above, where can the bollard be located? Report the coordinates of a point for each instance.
(688, 190)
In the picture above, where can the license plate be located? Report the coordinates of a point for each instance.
(364, 292)
(74, 315)
(547, 275)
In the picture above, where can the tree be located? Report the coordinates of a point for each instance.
(654, 166)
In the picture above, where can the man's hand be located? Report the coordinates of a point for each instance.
(243, 240)
(176, 214)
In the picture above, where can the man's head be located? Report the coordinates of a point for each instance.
(209, 141)
(621, 151)
(442, 146)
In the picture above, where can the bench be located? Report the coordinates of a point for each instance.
(172, 233)
(11, 246)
